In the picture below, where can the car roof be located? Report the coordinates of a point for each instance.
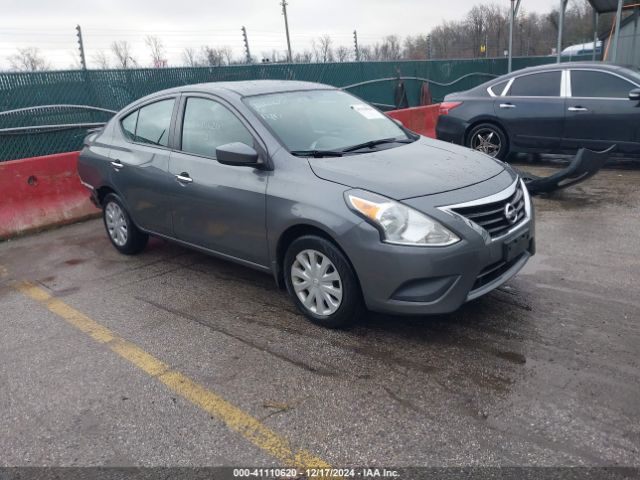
(246, 88)
(548, 67)
(564, 65)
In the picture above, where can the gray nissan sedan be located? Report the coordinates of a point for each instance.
(345, 207)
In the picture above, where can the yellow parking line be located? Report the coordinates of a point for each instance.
(235, 418)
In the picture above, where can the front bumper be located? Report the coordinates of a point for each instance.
(434, 280)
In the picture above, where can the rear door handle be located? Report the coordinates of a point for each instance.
(184, 178)
(578, 109)
(507, 105)
(117, 164)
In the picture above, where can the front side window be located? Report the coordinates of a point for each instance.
(546, 84)
(591, 84)
(323, 120)
(153, 123)
(208, 124)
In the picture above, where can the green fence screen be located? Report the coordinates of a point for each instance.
(113, 89)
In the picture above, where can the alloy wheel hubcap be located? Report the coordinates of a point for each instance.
(486, 141)
(116, 223)
(316, 282)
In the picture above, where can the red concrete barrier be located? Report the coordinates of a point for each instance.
(41, 192)
(421, 120)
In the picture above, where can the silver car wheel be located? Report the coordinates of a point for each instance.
(487, 141)
(116, 223)
(316, 282)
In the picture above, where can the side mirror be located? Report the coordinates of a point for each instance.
(239, 154)
(634, 94)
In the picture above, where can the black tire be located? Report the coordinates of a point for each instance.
(351, 305)
(495, 133)
(134, 240)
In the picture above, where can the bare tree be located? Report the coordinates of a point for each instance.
(157, 50)
(212, 56)
(343, 54)
(303, 57)
(227, 54)
(100, 59)
(389, 49)
(322, 49)
(28, 59)
(476, 23)
(122, 51)
(366, 53)
(190, 57)
(415, 48)
(496, 26)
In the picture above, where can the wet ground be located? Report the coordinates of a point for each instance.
(544, 371)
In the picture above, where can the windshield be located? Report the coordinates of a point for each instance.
(320, 120)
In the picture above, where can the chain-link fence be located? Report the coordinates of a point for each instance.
(111, 90)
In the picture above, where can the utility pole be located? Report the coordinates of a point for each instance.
(286, 27)
(355, 43)
(246, 44)
(563, 10)
(429, 52)
(83, 62)
(515, 6)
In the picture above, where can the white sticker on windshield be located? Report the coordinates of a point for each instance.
(367, 111)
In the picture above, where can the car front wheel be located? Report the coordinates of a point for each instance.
(490, 139)
(122, 232)
(322, 282)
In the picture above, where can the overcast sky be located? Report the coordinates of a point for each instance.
(50, 25)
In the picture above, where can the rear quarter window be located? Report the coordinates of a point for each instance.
(128, 124)
(498, 88)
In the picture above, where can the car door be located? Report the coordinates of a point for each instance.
(532, 110)
(140, 164)
(599, 112)
(215, 206)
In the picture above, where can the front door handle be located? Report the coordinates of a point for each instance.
(117, 164)
(507, 105)
(184, 178)
(578, 109)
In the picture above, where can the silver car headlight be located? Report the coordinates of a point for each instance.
(398, 223)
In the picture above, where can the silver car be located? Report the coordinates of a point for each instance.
(346, 208)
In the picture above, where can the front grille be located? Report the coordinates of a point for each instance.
(492, 272)
(492, 217)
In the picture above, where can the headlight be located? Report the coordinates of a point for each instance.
(398, 223)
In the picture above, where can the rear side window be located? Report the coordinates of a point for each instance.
(208, 124)
(590, 84)
(498, 88)
(546, 84)
(153, 123)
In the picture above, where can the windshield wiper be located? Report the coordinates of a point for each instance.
(316, 153)
(375, 143)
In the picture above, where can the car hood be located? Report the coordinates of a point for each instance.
(424, 167)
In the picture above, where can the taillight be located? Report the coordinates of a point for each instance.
(446, 107)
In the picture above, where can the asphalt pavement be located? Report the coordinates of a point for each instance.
(173, 358)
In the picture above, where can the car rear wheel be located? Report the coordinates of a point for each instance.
(122, 232)
(490, 139)
(322, 283)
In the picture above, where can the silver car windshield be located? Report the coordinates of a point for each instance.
(314, 120)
